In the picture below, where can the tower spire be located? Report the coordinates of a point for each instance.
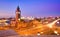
(18, 9)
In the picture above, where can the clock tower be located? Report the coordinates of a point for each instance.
(18, 14)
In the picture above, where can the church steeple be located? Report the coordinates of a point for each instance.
(18, 14)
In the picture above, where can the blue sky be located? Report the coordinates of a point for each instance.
(41, 8)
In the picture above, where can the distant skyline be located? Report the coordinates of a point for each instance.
(35, 8)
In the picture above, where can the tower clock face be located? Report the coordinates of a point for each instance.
(18, 12)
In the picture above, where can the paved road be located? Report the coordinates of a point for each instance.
(51, 24)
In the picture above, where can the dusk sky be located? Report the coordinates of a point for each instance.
(36, 8)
